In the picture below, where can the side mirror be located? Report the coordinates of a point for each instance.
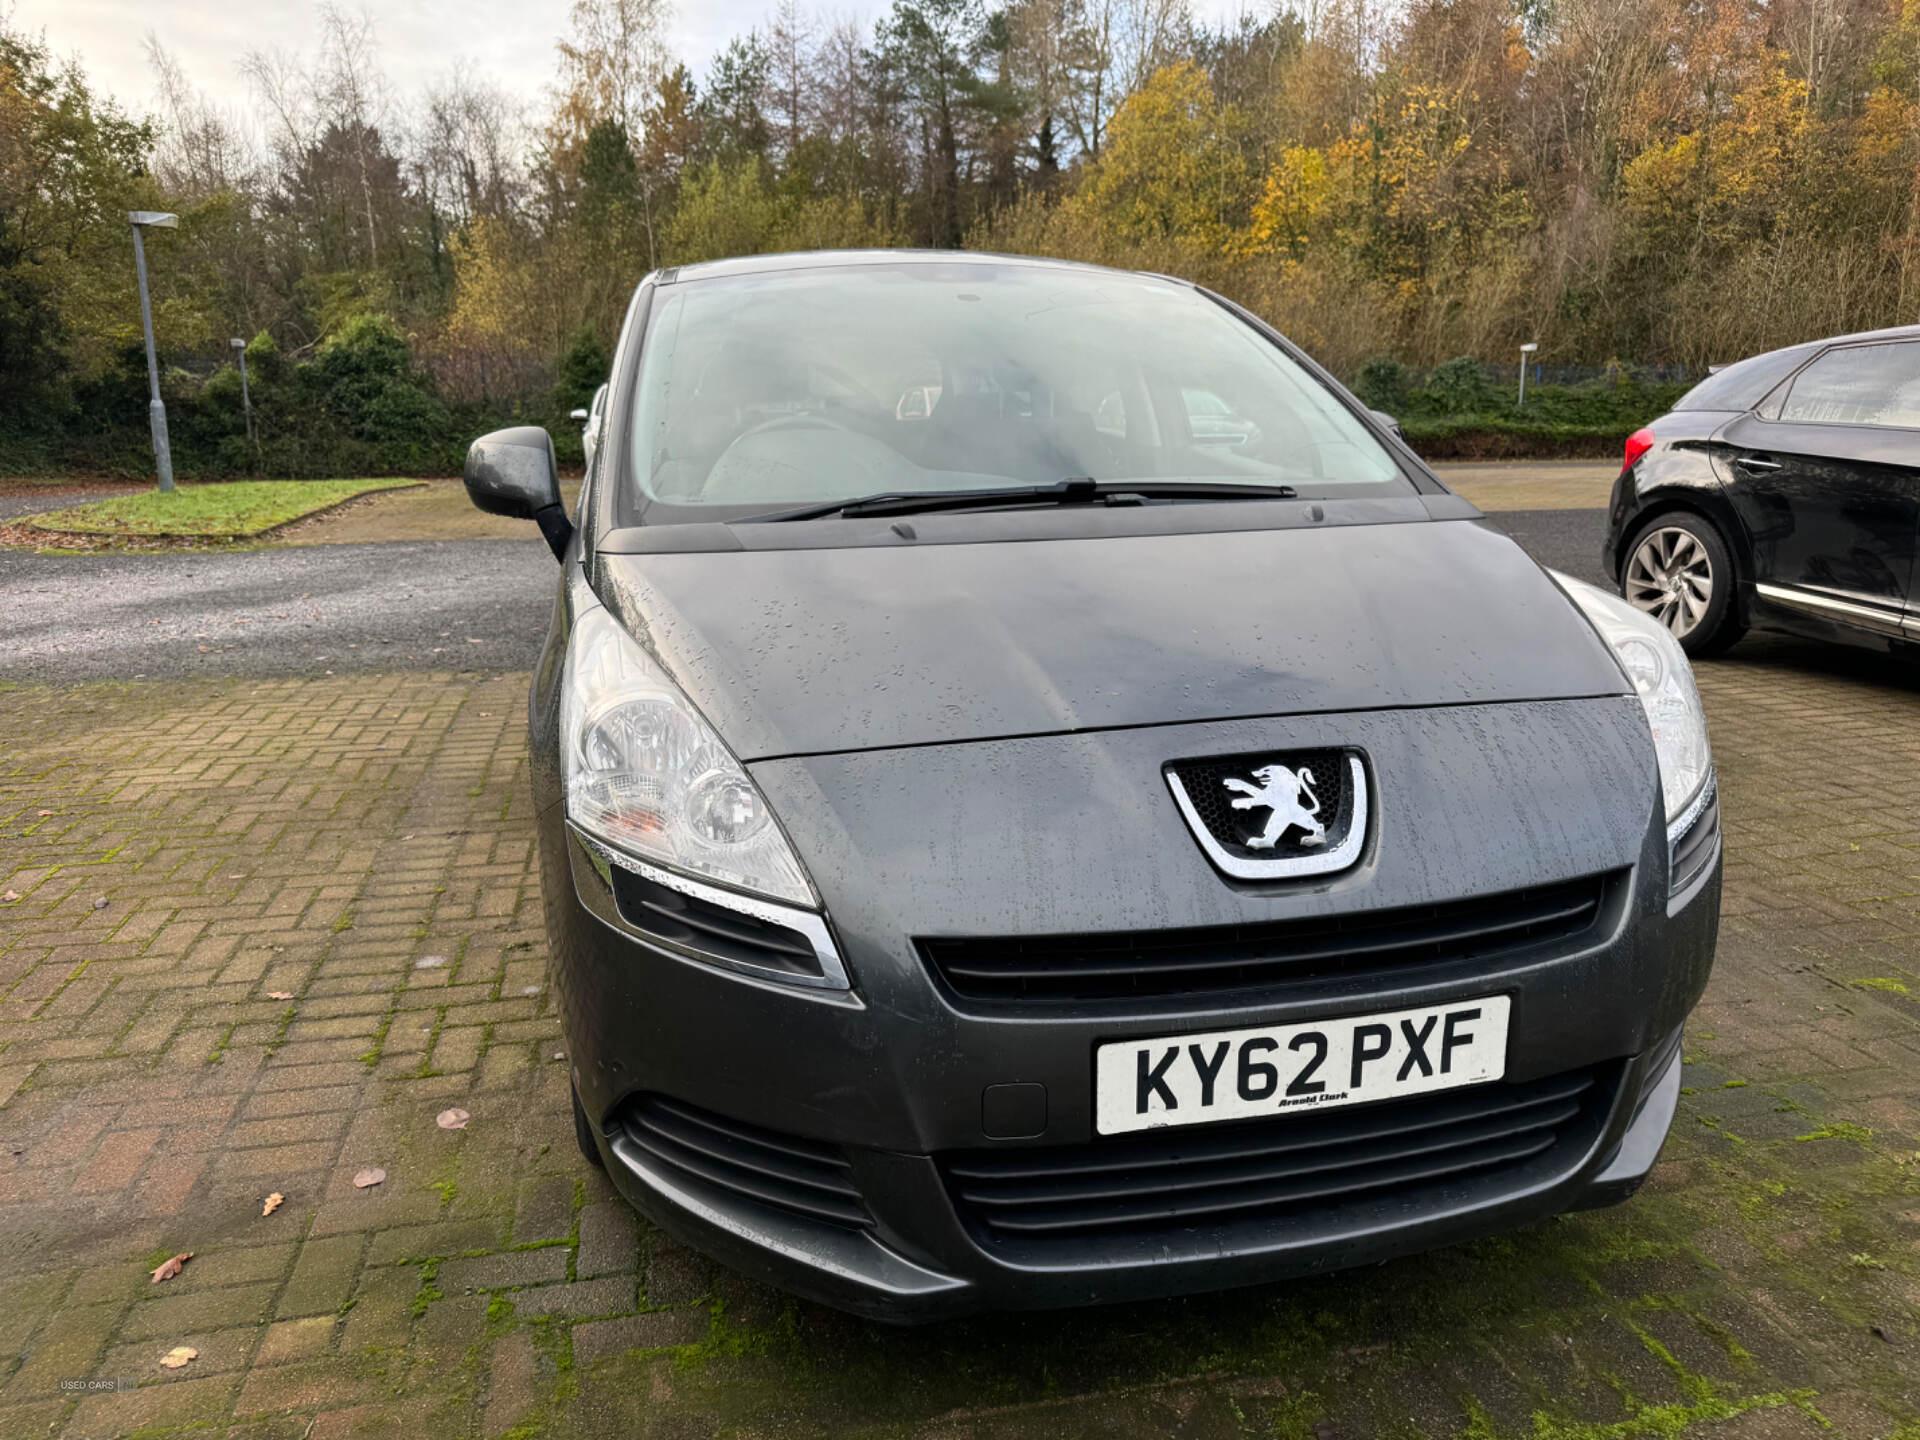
(1392, 424)
(512, 473)
(579, 417)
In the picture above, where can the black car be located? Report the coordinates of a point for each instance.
(1009, 849)
(1781, 492)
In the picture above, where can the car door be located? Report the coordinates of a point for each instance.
(1825, 476)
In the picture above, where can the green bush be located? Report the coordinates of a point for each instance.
(1459, 387)
(1383, 385)
(357, 407)
(583, 369)
(1457, 412)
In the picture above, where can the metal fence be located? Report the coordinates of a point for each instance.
(1588, 374)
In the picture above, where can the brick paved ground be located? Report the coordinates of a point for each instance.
(362, 846)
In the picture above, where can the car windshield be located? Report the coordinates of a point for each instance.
(806, 387)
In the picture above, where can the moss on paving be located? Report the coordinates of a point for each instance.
(240, 508)
(1606, 1325)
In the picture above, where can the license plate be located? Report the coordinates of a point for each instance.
(1235, 1074)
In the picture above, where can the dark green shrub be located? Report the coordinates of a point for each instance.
(583, 369)
(1459, 387)
(1382, 385)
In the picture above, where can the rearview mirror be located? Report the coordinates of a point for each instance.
(512, 473)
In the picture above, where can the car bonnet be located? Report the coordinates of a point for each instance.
(817, 650)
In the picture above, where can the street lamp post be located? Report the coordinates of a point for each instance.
(156, 408)
(1525, 351)
(246, 400)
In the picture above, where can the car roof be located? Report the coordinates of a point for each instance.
(1896, 332)
(840, 259)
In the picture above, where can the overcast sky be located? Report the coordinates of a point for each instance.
(510, 41)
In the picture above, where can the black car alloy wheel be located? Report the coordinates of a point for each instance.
(1678, 571)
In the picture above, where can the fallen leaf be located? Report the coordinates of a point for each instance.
(178, 1356)
(559, 1054)
(171, 1268)
(454, 1119)
(10, 896)
(369, 1177)
(272, 1203)
(279, 995)
(45, 813)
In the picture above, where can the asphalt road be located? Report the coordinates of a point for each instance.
(462, 605)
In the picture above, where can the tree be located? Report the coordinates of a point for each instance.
(790, 61)
(733, 113)
(1041, 40)
(612, 62)
(928, 45)
(1172, 171)
(71, 165)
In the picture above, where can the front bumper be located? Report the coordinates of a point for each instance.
(938, 1268)
(895, 1097)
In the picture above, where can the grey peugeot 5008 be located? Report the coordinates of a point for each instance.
(1043, 799)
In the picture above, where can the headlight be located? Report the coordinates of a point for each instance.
(1663, 679)
(645, 773)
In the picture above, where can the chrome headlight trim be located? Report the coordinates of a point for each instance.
(1695, 809)
(809, 923)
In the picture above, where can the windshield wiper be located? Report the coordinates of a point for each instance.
(1077, 490)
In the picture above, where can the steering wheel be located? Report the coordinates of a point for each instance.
(796, 420)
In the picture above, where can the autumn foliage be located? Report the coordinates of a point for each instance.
(1627, 182)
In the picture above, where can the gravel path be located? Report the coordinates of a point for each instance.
(449, 605)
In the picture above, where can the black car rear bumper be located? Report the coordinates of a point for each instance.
(705, 1089)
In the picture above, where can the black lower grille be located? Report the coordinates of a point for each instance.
(1071, 969)
(1180, 1179)
(801, 1177)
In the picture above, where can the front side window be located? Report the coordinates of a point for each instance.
(803, 387)
(1859, 385)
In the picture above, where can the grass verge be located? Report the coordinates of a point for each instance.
(235, 509)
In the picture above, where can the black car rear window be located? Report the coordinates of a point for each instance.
(1744, 385)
